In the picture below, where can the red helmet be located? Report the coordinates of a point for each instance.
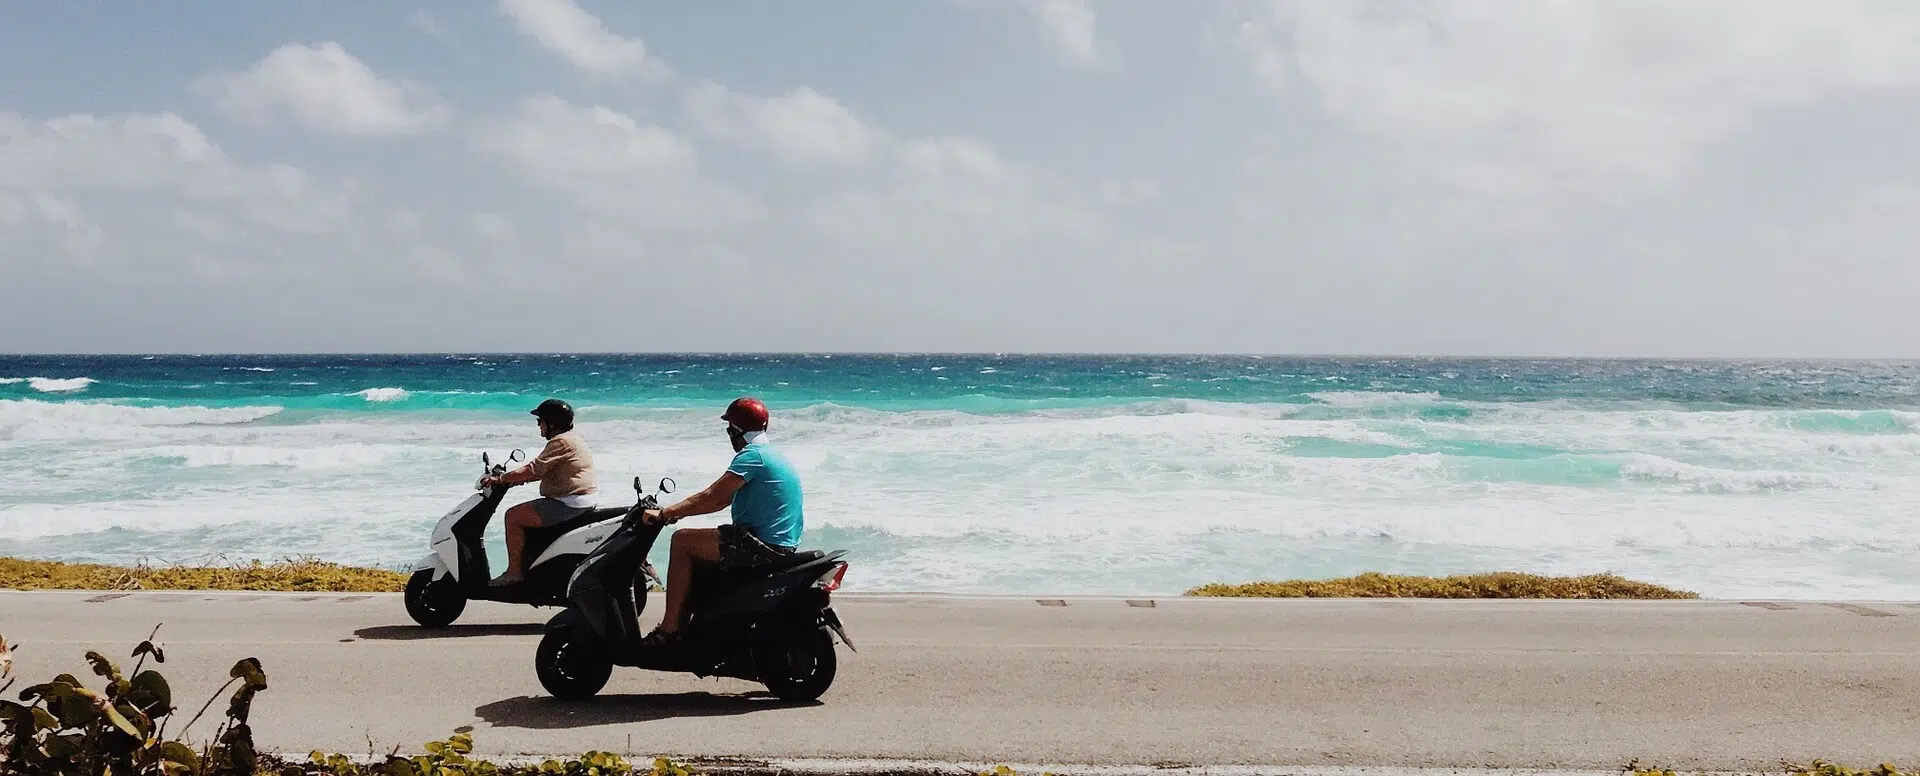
(747, 413)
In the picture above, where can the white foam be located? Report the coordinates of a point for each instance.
(384, 394)
(332, 457)
(1372, 398)
(12, 380)
(1710, 480)
(59, 385)
(1140, 497)
(31, 418)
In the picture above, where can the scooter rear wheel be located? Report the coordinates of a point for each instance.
(434, 603)
(570, 670)
(799, 667)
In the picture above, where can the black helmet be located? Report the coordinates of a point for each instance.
(558, 414)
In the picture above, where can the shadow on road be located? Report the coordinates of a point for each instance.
(538, 713)
(412, 632)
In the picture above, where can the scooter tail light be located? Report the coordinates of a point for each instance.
(830, 581)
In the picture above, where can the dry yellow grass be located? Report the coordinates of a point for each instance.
(291, 574)
(1505, 584)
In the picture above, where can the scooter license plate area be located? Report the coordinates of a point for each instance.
(832, 620)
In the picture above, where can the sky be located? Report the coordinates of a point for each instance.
(1529, 177)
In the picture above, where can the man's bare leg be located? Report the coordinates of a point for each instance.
(690, 546)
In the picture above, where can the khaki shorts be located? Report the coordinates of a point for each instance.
(553, 511)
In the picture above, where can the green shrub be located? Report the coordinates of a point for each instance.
(1824, 768)
(1817, 768)
(1505, 584)
(450, 758)
(298, 574)
(63, 728)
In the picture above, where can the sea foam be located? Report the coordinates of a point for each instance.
(19, 413)
(59, 385)
(1026, 487)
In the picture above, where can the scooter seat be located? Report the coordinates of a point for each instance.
(799, 559)
(588, 517)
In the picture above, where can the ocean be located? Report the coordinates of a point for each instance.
(1019, 474)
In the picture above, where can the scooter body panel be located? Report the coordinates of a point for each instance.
(433, 562)
(445, 544)
(577, 542)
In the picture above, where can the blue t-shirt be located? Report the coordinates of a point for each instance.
(768, 505)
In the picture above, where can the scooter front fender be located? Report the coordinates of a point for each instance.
(570, 620)
(434, 563)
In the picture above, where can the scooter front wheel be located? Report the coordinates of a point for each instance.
(435, 603)
(799, 667)
(569, 669)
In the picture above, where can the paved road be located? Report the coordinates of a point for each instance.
(1715, 685)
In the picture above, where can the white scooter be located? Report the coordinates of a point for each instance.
(457, 571)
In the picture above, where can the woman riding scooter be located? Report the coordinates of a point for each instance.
(565, 472)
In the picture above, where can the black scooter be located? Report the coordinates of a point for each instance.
(770, 625)
(456, 571)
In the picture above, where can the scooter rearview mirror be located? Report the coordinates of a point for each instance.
(517, 455)
(484, 460)
(666, 484)
(637, 487)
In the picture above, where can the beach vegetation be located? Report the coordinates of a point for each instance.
(1816, 768)
(1505, 584)
(293, 574)
(65, 728)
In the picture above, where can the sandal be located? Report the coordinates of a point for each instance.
(660, 638)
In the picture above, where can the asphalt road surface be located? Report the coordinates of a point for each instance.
(1721, 685)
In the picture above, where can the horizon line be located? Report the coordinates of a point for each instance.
(961, 353)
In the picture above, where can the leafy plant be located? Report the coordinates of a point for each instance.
(1824, 768)
(300, 573)
(1505, 584)
(450, 757)
(63, 727)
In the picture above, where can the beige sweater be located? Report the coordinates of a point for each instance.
(565, 467)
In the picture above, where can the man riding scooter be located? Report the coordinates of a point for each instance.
(564, 470)
(763, 490)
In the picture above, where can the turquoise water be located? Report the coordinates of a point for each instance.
(1021, 473)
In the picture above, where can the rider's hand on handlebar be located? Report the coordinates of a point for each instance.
(653, 517)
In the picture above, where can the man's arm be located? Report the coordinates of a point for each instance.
(715, 498)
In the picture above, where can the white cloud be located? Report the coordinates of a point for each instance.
(582, 40)
(60, 220)
(613, 165)
(493, 228)
(151, 193)
(1070, 26)
(427, 23)
(158, 154)
(1513, 99)
(802, 127)
(1129, 191)
(324, 88)
(959, 194)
